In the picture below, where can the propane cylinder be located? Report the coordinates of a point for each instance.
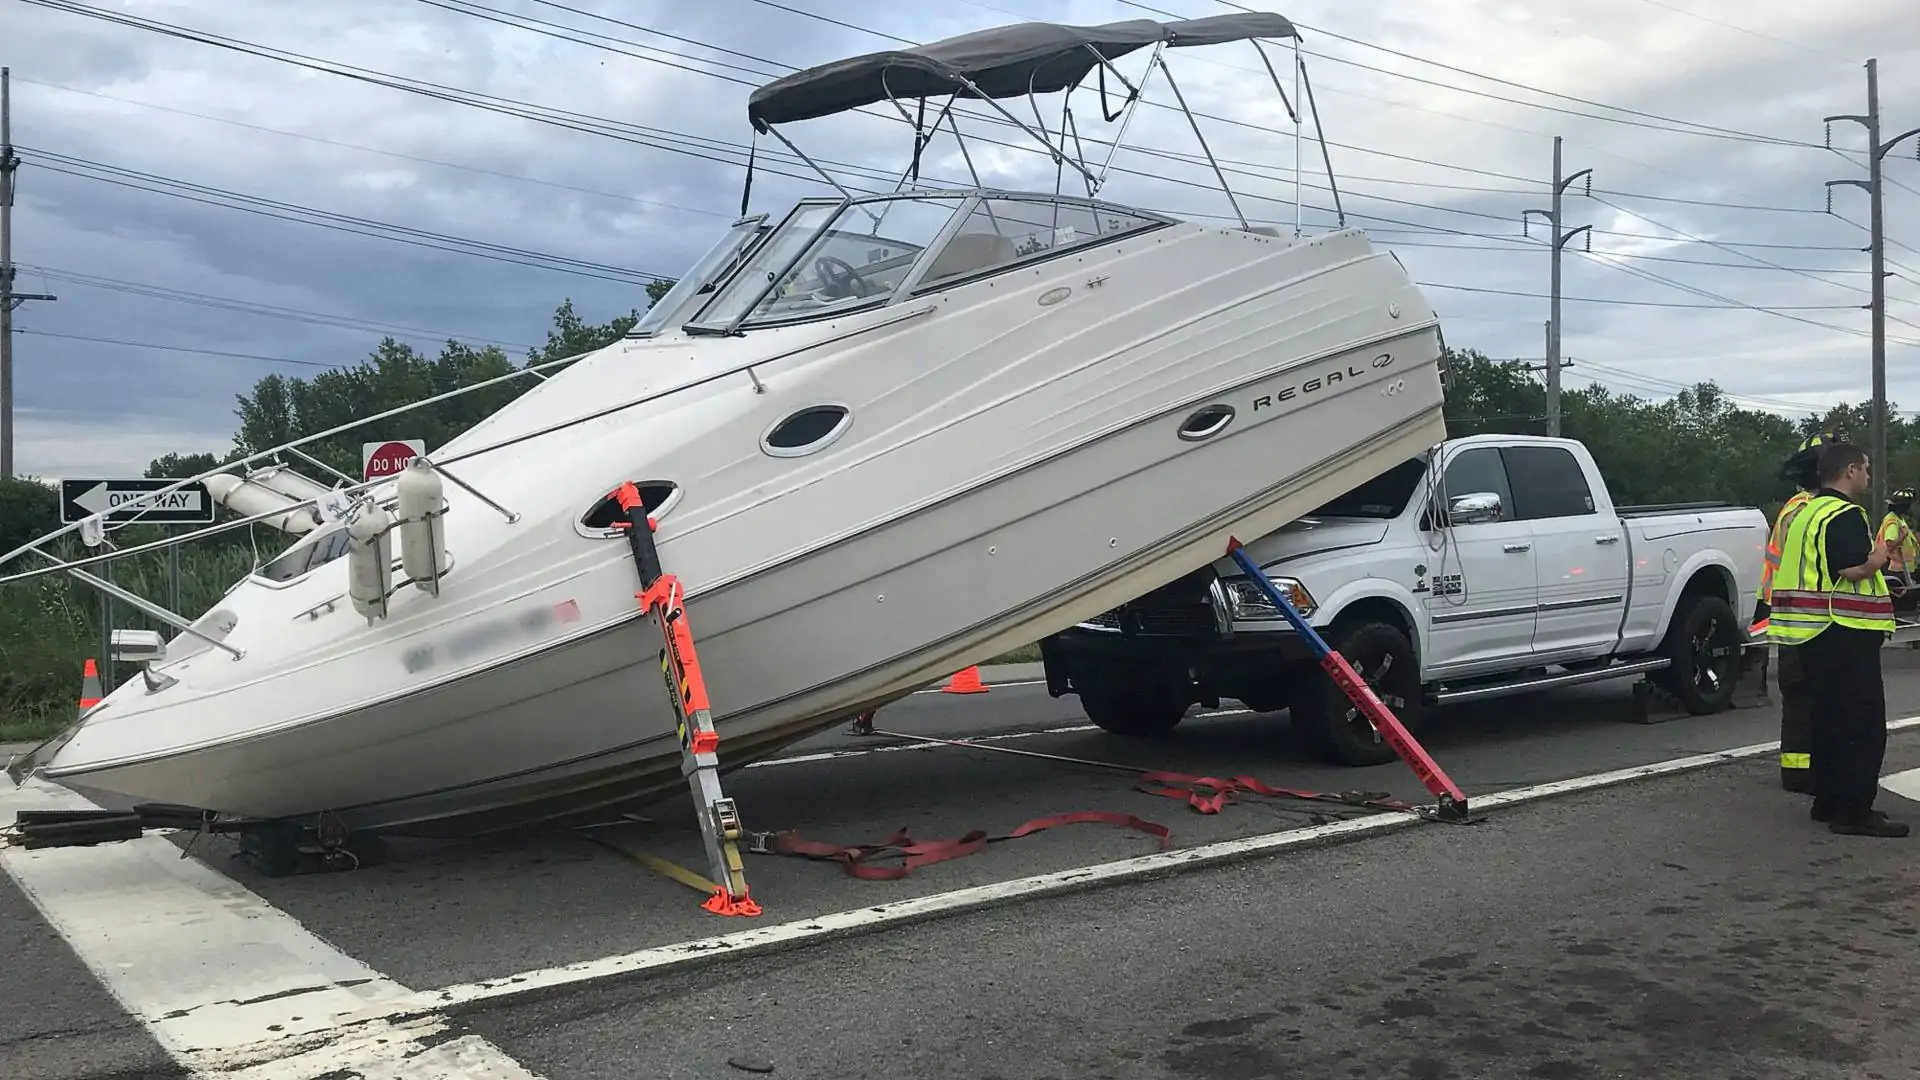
(423, 531)
(369, 558)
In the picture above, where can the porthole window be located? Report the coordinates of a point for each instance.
(806, 431)
(1206, 422)
(658, 496)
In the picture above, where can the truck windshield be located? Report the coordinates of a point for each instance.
(1384, 496)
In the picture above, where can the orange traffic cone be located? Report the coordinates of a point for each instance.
(965, 682)
(89, 686)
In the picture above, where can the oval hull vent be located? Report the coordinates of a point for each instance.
(1206, 422)
(806, 431)
(657, 496)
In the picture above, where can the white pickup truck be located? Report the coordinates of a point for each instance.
(1466, 582)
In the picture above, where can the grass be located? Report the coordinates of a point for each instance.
(50, 626)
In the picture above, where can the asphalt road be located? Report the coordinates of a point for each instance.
(1696, 927)
(458, 912)
(1296, 963)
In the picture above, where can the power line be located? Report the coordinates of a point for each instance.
(248, 307)
(264, 207)
(469, 7)
(1741, 29)
(1776, 403)
(1734, 306)
(565, 118)
(1624, 255)
(381, 79)
(174, 348)
(1690, 236)
(1708, 130)
(384, 153)
(506, 106)
(1516, 239)
(1696, 291)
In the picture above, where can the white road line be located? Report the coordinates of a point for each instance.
(871, 917)
(230, 986)
(834, 755)
(1904, 784)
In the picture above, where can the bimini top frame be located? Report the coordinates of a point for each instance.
(1027, 59)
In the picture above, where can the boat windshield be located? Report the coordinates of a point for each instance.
(312, 550)
(826, 259)
(705, 276)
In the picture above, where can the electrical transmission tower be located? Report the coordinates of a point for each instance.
(1560, 238)
(9, 164)
(1876, 224)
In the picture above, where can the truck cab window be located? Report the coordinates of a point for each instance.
(1547, 483)
(1478, 470)
(1384, 496)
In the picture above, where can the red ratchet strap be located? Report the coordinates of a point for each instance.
(1210, 794)
(858, 858)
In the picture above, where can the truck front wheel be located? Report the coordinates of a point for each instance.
(1142, 710)
(1332, 726)
(1704, 645)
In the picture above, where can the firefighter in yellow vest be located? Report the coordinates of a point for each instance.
(1830, 602)
(1897, 536)
(1796, 733)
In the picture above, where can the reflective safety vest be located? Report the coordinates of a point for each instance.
(1900, 542)
(1805, 599)
(1762, 609)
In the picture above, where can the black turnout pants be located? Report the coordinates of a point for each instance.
(1796, 723)
(1841, 666)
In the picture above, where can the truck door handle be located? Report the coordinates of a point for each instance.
(1516, 547)
(1610, 538)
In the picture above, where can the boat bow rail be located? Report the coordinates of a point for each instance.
(264, 489)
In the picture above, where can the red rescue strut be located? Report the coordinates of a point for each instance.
(660, 596)
(1452, 801)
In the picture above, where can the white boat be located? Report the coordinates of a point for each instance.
(884, 437)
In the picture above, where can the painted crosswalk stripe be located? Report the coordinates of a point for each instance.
(230, 986)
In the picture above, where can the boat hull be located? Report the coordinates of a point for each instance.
(581, 724)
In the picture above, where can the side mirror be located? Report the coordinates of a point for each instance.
(1475, 508)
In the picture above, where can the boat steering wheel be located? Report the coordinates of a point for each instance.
(838, 279)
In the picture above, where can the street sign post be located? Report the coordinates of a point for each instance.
(189, 504)
(385, 460)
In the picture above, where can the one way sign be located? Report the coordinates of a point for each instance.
(189, 504)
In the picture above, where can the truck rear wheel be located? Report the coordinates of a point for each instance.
(1332, 726)
(1141, 710)
(1704, 645)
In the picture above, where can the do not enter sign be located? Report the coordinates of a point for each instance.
(385, 460)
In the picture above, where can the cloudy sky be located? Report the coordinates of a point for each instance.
(171, 186)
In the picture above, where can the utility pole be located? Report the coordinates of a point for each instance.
(1876, 225)
(9, 163)
(1560, 238)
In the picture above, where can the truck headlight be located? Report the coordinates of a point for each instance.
(1246, 601)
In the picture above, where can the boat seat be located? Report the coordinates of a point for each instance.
(970, 253)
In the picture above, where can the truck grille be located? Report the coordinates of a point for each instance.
(1182, 608)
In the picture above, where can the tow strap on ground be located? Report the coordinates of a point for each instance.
(859, 858)
(670, 870)
(1218, 793)
(1211, 794)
